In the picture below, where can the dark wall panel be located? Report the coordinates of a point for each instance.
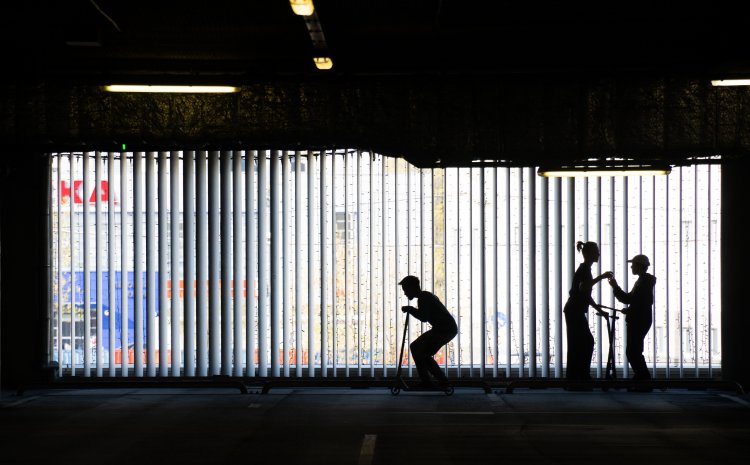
(454, 119)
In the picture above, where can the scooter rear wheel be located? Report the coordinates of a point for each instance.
(395, 391)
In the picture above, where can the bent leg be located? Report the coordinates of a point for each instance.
(423, 350)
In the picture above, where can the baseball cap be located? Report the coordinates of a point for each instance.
(413, 280)
(640, 259)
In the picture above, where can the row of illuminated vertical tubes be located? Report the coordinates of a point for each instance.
(231, 247)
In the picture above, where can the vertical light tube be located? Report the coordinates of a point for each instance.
(52, 239)
(263, 262)
(310, 260)
(396, 251)
(275, 259)
(599, 352)
(125, 261)
(495, 274)
(214, 264)
(679, 275)
(521, 313)
(188, 221)
(557, 246)
(640, 229)
(370, 306)
(239, 278)
(612, 220)
(323, 269)
(383, 266)
(87, 270)
(586, 235)
(471, 271)
(420, 236)
(297, 261)
(545, 275)
(625, 254)
(58, 321)
(458, 266)
(286, 238)
(483, 273)
(72, 202)
(163, 266)
(666, 271)
(408, 254)
(226, 262)
(653, 247)
(445, 250)
(138, 263)
(175, 249)
(334, 266)
(571, 241)
(201, 257)
(358, 273)
(710, 282)
(433, 246)
(346, 263)
(251, 266)
(151, 289)
(508, 272)
(532, 272)
(695, 270)
(111, 268)
(99, 256)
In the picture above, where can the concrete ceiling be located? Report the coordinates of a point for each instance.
(247, 40)
(434, 81)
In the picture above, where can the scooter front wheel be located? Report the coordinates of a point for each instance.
(395, 391)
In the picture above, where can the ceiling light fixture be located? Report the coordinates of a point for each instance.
(171, 89)
(730, 82)
(302, 7)
(323, 62)
(595, 168)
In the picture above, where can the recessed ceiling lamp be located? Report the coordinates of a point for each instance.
(597, 168)
(302, 7)
(323, 62)
(730, 82)
(171, 89)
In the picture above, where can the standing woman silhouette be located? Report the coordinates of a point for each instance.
(580, 339)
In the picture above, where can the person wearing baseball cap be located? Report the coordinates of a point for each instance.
(638, 318)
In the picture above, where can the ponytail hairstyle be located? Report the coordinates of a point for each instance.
(585, 247)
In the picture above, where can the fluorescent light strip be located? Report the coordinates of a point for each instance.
(730, 82)
(171, 89)
(552, 173)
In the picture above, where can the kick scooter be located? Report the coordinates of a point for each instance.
(611, 371)
(401, 384)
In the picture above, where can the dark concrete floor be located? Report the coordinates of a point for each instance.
(371, 426)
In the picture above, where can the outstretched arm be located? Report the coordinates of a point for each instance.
(620, 294)
(590, 284)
